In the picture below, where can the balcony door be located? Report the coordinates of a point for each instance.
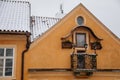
(81, 59)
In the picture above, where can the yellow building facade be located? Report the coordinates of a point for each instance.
(49, 58)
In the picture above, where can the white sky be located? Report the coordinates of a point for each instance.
(107, 11)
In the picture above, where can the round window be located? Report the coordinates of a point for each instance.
(80, 20)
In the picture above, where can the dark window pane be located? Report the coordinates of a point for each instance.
(8, 63)
(9, 52)
(1, 52)
(81, 61)
(80, 52)
(81, 40)
(80, 20)
(1, 63)
(1, 71)
(8, 71)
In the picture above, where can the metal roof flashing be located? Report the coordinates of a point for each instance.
(15, 32)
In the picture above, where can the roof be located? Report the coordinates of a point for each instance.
(14, 16)
(41, 24)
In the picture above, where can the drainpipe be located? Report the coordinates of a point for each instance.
(23, 54)
(27, 46)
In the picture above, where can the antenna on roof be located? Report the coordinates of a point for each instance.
(61, 8)
(61, 13)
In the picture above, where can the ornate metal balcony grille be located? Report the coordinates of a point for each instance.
(83, 62)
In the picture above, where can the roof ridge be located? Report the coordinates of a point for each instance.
(16, 1)
(46, 17)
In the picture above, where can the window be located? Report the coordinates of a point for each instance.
(6, 61)
(80, 20)
(80, 39)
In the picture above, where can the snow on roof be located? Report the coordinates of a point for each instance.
(14, 16)
(41, 24)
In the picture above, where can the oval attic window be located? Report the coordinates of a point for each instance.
(80, 20)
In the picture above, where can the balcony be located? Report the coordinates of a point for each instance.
(83, 64)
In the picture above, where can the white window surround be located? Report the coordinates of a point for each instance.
(8, 57)
(87, 39)
(80, 39)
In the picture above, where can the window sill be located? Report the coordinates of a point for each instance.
(80, 49)
(13, 78)
(7, 78)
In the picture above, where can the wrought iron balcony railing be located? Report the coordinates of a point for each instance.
(82, 62)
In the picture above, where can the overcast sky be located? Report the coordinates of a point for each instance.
(107, 11)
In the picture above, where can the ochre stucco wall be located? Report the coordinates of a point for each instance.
(17, 42)
(46, 52)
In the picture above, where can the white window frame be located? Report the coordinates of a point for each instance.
(80, 34)
(9, 57)
(74, 40)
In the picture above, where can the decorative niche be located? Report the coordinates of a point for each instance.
(96, 45)
(66, 43)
